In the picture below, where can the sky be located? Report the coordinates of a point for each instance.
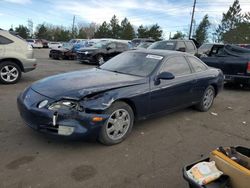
(170, 15)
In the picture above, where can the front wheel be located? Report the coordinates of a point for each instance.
(118, 125)
(10, 73)
(207, 99)
(100, 59)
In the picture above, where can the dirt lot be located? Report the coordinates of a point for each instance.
(152, 156)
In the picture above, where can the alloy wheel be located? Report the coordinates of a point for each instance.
(118, 124)
(208, 98)
(9, 73)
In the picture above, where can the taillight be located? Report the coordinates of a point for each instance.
(248, 67)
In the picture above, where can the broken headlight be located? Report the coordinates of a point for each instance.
(65, 105)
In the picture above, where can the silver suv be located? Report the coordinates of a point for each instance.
(16, 56)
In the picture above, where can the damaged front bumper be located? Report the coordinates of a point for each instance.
(68, 123)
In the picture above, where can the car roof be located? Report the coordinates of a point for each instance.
(161, 52)
(176, 40)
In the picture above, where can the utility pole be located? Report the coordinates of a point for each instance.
(73, 27)
(190, 29)
(194, 28)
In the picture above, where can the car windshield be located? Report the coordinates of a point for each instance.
(133, 63)
(205, 47)
(165, 45)
(67, 45)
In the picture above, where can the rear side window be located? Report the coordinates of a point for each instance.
(179, 45)
(177, 66)
(190, 45)
(112, 45)
(4, 40)
(197, 64)
(122, 46)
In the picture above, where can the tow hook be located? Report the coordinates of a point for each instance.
(55, 115)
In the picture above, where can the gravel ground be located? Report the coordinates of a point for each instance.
(152, 156)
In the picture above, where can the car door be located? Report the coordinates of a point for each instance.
(2, 49)
(175, 93)
(202, 77)
(121, 47)
(111, 50)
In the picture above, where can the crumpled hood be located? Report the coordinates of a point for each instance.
(79, 84)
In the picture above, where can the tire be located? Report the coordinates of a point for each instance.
(60, 57)
(118, 126)
(10, 72)
(100, 60)
(207, 99)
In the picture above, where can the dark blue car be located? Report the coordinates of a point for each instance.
(105, 101)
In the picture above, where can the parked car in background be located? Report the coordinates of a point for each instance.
(77, 41)
(45, 43)
(143, 45)
(101, 51)
(176, 45)
(67, 50)
(35, 43)
(233, 60)
(208, 49)
(104, 102)
(244, 45)
(136, 41)
(16, 56)
(52, 45)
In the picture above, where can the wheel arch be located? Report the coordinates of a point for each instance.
(130, 103)
(13, 60)
(215, 88)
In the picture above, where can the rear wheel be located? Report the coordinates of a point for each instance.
(10, 73)
(207, 99)
(119, 124)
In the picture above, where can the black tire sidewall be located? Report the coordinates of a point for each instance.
(103, 137)
(2, 64)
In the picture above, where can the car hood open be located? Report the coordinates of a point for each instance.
(79, 84)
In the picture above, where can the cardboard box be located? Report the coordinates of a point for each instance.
(239, 175)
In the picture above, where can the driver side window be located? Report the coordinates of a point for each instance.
(112, 45)
(178, 66)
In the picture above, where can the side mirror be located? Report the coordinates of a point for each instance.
(182, 49)
(108, 48)
(163, 76)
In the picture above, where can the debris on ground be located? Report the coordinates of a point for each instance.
(214, 114)
(229, 107)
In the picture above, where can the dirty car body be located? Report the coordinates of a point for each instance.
(66, 104)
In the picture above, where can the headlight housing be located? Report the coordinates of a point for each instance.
(42, 103)
(65, 105)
